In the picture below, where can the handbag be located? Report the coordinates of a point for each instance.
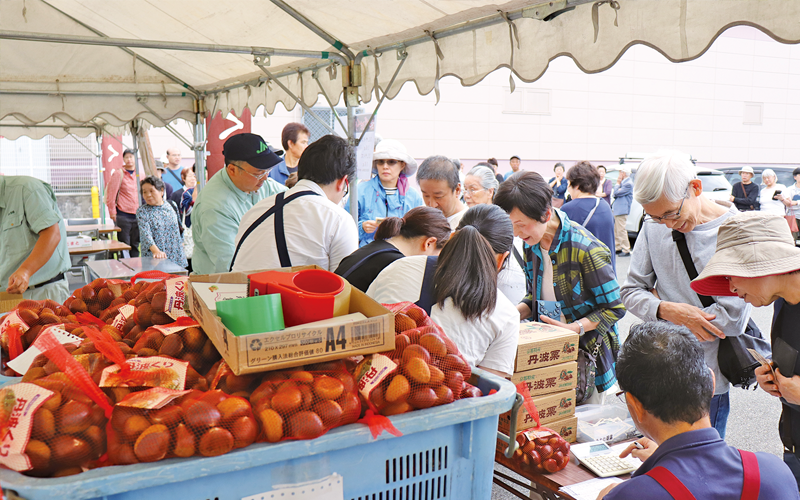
(587, 371)
(735, 362)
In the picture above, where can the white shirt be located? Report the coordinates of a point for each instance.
(455, 219)
(768, 204)
(317, 232)
(511, 280)
(490, 341)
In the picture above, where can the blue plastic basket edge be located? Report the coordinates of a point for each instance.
(99, 483)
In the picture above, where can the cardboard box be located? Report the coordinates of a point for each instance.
(9, 301)
(551, 407)
(568, 428)
(79, 241)
(544, 345)
(555, 378)
(298, 345)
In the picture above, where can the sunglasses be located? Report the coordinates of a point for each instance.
(389, 162)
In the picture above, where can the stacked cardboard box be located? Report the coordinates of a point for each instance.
(546, 363)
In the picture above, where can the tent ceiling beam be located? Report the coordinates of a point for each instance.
(128, 51)
(336, 43)
(260, 64)
(539, 11)
(172, 129)
(151, 44)
(262, 79)
(91, 94)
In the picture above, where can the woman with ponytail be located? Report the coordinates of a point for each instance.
(459, 289)
(422, 231)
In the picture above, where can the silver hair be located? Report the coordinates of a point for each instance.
(667, 174)
(768, 172)
(485, 176)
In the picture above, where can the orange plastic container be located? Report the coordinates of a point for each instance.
(307, 296)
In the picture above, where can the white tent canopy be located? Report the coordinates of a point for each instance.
(77, 83)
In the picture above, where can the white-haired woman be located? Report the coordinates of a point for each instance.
(479, 186)
(771, 199)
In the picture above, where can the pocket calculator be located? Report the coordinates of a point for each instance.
(601, 459)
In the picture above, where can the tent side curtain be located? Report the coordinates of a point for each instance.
(594, 35)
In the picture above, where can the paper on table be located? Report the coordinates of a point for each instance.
(328, 488)
(588, 490)
(22, 363)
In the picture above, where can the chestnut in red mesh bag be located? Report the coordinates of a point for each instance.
(20, 328)
(302, 402)
(182, 339)
(541, 448)
(425, 369)
(160, 423)
(55, 425)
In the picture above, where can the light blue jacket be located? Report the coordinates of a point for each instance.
(373, 202)
(623, 196)
(217, 212)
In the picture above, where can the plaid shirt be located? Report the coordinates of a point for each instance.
(585, 286)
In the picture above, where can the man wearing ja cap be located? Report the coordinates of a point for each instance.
(744, 194)
(229, 194)
(756, 259)
(305, 225)
(387, 194)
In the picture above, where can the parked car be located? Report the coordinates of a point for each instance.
(784, 175)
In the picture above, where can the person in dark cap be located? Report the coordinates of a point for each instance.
(227, 197)
(306, 226)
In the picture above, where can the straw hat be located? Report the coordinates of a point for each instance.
(389, 149)
(749, 245)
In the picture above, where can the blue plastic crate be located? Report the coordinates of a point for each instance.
(445, 453)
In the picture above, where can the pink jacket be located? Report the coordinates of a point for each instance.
(121, 192)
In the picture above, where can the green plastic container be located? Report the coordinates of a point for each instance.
(259, 314)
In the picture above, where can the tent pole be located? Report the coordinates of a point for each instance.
(315, 75)
(200, 145)
(134, 131)
(337, 44)
(404, 56)
(351, 132)
(101, 185)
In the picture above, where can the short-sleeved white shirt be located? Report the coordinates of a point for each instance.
(490, 341)
(318, 232)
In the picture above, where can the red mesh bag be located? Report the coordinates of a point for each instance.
(301, 402)
(20, 328)
(541, 449)
(55, 425)
(424, 370)
(160, 423)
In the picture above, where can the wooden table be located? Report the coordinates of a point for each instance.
(546, 485)
(108, 227)
(128, 268)
(99, 246)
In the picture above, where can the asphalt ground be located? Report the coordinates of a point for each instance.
(753, 420)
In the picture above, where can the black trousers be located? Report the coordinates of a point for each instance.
(129, 233)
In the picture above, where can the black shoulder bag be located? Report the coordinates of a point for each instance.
(735, 362)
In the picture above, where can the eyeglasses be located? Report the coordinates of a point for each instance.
(472, 191)
(259, 177)
(673, 216)
(389, 162)
(621, 396)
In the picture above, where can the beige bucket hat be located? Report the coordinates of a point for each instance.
(749, 245)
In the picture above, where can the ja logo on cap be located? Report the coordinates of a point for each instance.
(262, 148)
